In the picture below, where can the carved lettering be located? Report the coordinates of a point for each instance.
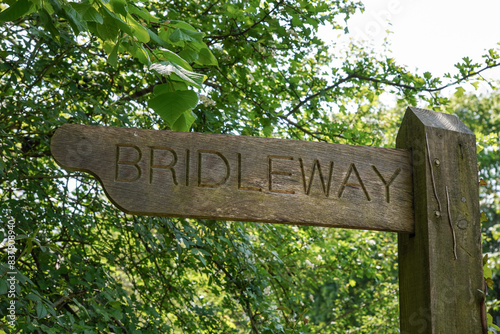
(127, 170)
(387, 184)
(214, 170)
(325, 186)
(200, 160)
(158, 157)
(352, 168)
(272, 172)
(240, 187)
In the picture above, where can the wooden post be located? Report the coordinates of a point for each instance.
(440, 265)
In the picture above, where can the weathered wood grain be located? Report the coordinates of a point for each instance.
(440, 265)
(197, 175)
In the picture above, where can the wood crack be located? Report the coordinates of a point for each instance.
(451, 225)
(432, 173)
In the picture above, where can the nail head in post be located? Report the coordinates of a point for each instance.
(462, 224)
(437, 213)
(437, 162)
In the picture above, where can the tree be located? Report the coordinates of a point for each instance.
(257, 68)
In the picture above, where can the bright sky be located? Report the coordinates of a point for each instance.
(432, 35)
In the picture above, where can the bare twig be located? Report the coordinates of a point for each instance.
(139, 93)
(310, 97)
(423, 89)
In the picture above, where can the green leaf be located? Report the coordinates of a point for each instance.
(171, 105)
(56, 5)
(182, 24)
(113, 56)
(196, 252)
(81, 307)
(33, 297)
(206, 58)
(142, 13)
(459, 92)
(154, 37)
(111, 18)
(3, 287)
(87, 12)
(108, 31)
(93, 15)
(169, 87)
(75, 20)
(189, 55)
(174, 58)
(231, 9)
(164, 33)
(47, 22)
(115, 304)
(140, 53)
(119, 6)
(485, 259)
(277, 256)
(489, 282)
(16, 10)
(267, 127)
(489, 319)
(41, 310)
(184, 121)
(487, 272)
(296, 21)
(138, 30)
(185, 35)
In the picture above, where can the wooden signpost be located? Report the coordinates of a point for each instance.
(426, 190)
(198, 175)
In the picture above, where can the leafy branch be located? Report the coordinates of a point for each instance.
(242, 32)
(423, 88)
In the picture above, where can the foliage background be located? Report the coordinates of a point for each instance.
(252, 68)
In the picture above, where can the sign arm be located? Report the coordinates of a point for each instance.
(199, 175)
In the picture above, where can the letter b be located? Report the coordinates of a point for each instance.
(127, 159)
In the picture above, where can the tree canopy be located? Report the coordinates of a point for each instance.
(254, 68)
